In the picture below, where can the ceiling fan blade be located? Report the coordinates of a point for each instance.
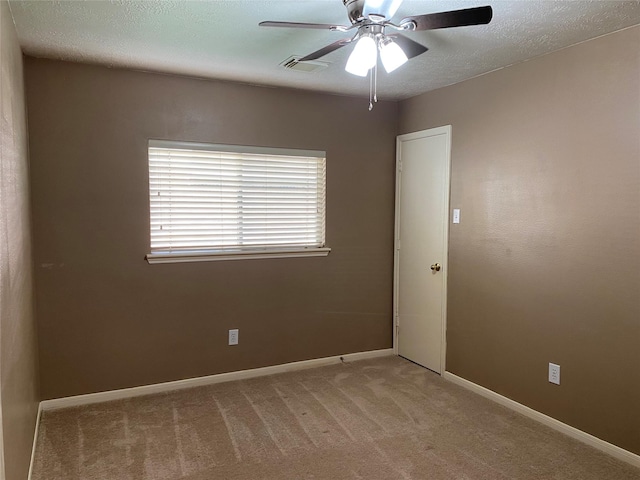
(409, 47)
(454, 18)
(325, 50)
(382, 8)
(319, 26)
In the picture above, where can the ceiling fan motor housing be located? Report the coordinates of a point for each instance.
(354, 9)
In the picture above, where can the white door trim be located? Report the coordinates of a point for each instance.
(446, 130)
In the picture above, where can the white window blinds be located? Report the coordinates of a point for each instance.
(227, 198)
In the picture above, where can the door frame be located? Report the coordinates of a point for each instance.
(446, 130)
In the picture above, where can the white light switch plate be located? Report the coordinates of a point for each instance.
(456, 215)
(554, 373)
(233, 336)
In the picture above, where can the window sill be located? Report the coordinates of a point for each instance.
(186, 257)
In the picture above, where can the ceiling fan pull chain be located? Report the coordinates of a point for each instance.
(373, 85)
(370, 91)
(375, 82)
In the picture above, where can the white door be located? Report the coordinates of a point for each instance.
(422, 212)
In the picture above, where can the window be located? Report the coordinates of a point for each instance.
(219, 202)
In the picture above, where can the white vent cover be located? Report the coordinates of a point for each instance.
(293, 63)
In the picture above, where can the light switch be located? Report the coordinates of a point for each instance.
(456, 215)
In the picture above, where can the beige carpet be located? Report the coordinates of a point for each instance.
(376, 419)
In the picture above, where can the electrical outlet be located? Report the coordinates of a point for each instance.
(233, 337)
(554, 373)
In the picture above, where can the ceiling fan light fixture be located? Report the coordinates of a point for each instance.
(363, 57)
(391, 54)
(370, 18)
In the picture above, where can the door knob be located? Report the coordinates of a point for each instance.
(436, 267)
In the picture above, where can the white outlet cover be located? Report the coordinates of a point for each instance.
(554, 373)
(233, 336)
(456, 215)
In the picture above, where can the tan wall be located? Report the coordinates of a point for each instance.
(18, 362)
(545, 264)
(109, 320)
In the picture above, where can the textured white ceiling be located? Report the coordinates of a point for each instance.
(221, 39)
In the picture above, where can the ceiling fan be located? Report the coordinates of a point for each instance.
(371, 19)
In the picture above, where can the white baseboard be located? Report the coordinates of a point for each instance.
(35, 439)
(208, 380)
(613, 450)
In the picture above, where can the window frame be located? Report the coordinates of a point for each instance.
(213, 254)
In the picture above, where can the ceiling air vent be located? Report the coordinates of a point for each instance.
(293, 63)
